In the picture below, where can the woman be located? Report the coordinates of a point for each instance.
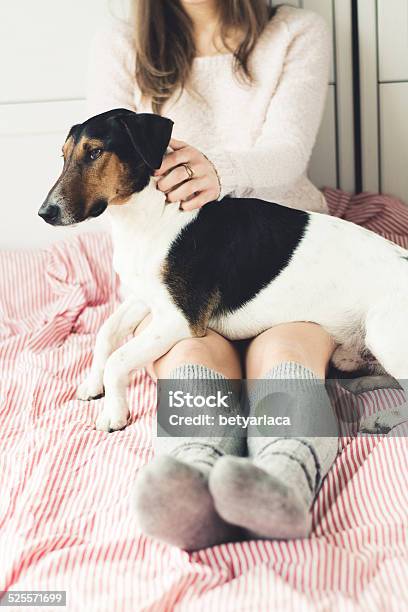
(245, 86)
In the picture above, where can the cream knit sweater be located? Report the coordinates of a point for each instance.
(259, 137)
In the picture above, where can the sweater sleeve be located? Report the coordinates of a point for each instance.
(282, 151)
(111, 69)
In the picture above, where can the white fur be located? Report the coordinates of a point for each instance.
(343, 277)
(142, 230)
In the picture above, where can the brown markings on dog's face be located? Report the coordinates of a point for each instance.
(92, 178)
(107, 159)
(68, 147)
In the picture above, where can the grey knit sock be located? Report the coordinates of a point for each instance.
(203, 451)
(172, 498)
(271, 493)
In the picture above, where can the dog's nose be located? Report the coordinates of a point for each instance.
(50, 213)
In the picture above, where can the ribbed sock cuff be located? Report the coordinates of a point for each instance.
(291, 369)
(203, 449)
(191, 371)
(301, 461)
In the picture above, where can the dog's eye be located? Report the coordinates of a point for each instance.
(95, 153)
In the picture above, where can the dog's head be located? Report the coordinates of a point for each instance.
(106, 159)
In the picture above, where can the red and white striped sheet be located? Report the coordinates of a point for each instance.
(383, 214)
(66, 519)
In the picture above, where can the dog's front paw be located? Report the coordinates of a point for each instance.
(91, 388)
(113, 418)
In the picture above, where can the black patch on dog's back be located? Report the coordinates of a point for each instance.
(230, 252)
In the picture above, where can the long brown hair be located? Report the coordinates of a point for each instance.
(165, 45)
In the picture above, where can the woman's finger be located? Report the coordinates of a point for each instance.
(177, 144)
(171, 160)
(172, 179)
(198, 202)
(186, 190)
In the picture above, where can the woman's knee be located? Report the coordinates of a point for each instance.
(212, 351)
(304, 343)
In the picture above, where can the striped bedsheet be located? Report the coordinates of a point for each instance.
(66, 521)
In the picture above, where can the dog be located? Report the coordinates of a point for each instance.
(237, 266)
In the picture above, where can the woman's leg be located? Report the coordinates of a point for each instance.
(271, 493)
(304, 343)
(172, 499)
(213, 352)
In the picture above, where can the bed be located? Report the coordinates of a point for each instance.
(65, 508)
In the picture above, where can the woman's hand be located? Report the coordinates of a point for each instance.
(187, 176)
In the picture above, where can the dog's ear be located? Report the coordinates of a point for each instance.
(73, 131)
(149, 135)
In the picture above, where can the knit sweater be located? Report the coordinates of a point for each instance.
(259, 136)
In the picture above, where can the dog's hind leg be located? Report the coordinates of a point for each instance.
(387, 339)
(112, 333)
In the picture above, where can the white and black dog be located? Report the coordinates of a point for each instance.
(238, 266)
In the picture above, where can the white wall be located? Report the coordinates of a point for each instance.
(44, 48)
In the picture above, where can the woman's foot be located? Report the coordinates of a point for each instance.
(173, 504)
(250, 497)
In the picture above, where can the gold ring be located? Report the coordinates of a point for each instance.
(189, 171)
